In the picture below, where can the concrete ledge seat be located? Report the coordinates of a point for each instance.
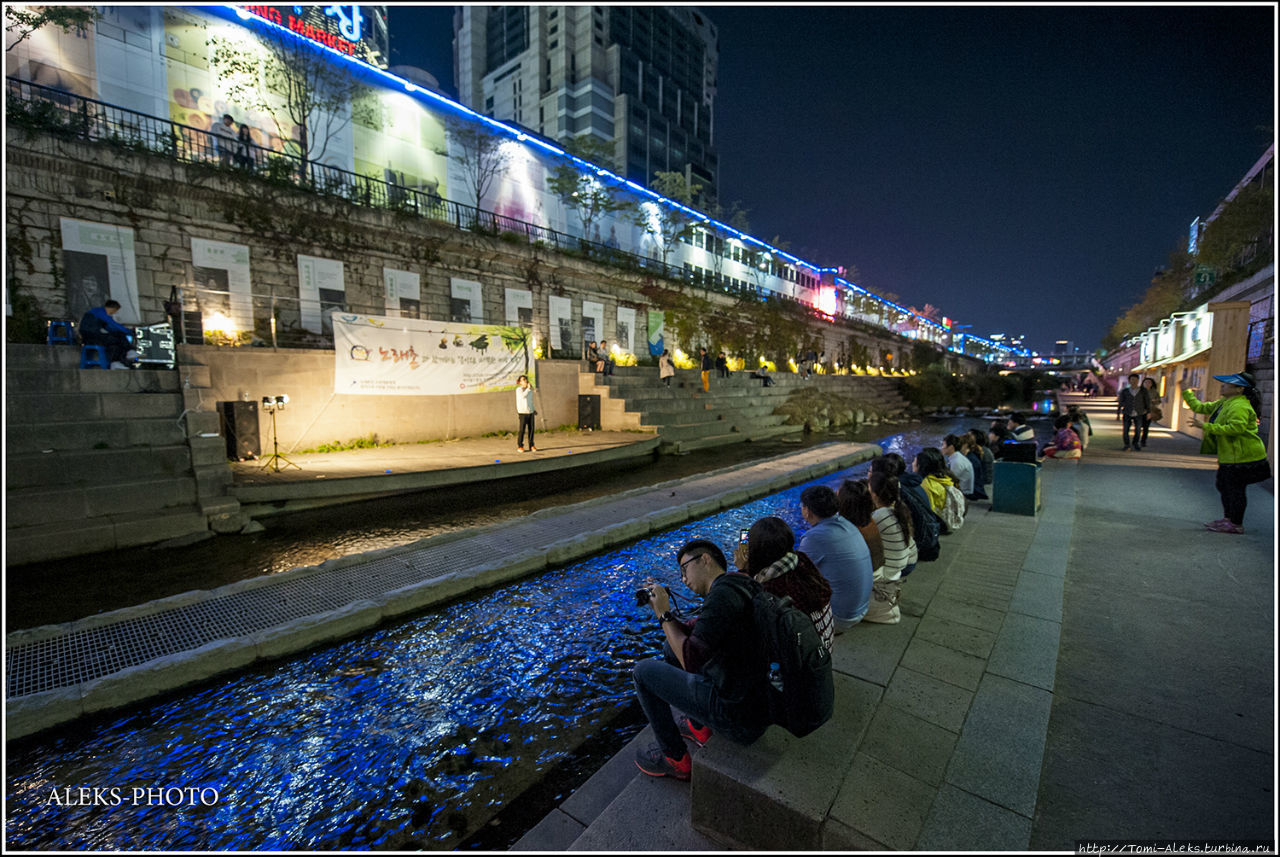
(776, 794)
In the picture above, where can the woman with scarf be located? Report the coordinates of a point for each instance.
(770, 557)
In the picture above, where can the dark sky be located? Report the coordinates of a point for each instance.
(1024, 169)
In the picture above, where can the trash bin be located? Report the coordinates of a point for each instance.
(1015, 488)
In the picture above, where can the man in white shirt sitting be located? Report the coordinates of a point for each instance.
(958, 463)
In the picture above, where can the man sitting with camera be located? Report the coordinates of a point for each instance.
(709, 670)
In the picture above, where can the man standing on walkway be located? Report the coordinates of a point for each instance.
(1134, 402)
(840, 552)
(733, 699)
(707, 366)
(525, 411)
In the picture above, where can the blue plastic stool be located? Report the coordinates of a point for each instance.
(94, 357)
(60, 331)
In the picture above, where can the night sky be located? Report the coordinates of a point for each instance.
(1023, 169)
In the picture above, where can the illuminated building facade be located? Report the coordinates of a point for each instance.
(642, 78)
(401, 135)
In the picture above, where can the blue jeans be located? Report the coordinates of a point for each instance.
(660, 685)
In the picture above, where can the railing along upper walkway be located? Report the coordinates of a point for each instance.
(34, 106)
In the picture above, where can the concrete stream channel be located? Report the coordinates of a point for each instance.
(432, 767)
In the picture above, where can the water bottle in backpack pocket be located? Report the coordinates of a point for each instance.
(801, 692)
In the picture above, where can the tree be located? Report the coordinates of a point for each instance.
(582, 191)
(292, 81)
(25, 21)
(482, 155)
(1242, 230)
(666, 223)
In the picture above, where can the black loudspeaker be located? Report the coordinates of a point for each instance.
(589, 412)
(240, 428)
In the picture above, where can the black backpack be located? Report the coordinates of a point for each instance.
(785, 635)
(925, 525)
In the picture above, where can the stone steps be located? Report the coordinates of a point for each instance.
(102, 459)
(109, 434)
(41, 408)
(737, 408)
(41, 505)
(81, 467)
(58, 539)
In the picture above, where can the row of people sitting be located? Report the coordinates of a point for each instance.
(847, 568)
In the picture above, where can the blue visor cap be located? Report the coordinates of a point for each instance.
(1236, 380)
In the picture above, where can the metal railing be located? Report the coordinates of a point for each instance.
(56, 111)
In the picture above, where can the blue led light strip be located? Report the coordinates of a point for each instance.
(238, 14)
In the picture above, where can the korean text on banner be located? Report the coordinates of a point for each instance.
(381, 356)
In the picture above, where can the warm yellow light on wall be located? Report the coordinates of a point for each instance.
(218, 323)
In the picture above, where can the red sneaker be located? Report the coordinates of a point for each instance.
(656, 763)
(698, 736)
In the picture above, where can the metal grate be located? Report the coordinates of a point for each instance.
(78, 656)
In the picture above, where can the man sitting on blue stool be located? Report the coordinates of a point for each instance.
(99, 328)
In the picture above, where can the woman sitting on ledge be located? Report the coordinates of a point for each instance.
(1066, 443)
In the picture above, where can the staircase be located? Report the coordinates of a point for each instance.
(738, 408)
(101, 459)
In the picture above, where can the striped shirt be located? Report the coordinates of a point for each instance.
(899, 549)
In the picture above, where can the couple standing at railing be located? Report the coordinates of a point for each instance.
(232, 146)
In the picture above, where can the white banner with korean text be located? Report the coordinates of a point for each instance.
(383, 356)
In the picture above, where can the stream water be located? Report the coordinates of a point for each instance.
(457, 728)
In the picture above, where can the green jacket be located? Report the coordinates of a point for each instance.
(1231, 431)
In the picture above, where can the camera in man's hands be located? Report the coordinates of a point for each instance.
(643, 595)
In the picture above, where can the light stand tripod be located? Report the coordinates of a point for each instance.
(271, 404)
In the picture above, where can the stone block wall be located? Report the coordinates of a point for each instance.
(167, 204)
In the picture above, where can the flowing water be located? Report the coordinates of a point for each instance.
(458, 728)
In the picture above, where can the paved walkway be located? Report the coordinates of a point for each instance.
(1104, 670)
(335, 477)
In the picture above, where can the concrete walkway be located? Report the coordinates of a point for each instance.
(324, 478)
(1103, 670)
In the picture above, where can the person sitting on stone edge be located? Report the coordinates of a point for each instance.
(732, 698)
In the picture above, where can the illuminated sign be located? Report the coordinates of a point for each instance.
(340, 27)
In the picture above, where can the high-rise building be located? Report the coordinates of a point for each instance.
(642, 78)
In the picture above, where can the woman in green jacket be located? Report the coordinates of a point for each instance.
(1232, 432)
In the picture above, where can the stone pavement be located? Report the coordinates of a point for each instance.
(322, 478)
(1063, 677)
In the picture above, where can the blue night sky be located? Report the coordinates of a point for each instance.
(1024, 169)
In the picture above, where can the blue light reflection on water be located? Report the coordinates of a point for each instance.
(411, 734)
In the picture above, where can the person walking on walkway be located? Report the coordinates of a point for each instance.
(525, 411)
(1231, 432)
(666, 369)
(1133, 403)
(1154, 412)
(707, 365)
